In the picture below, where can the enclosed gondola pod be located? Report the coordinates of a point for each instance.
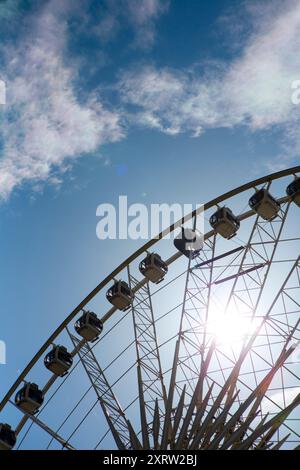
(58, 360)
(293, 191)
(264, 204)
(225, 223)
(89, 326)
(189, 242)
(120, 295)
(8, 437)
(153, 268)
(29, 398)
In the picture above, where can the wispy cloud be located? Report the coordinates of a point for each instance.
(140, 15)
(253, 90)
(143, 14)
(8, 9)
(279, 400)
(45, 124)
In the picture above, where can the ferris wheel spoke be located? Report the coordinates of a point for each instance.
(196, 305)
(270, 427)
(255, 396)
(65, 443)
(267, 398)
(285, 350)
(167, 428)
(151, 385)
(111, 408)
(256, 263)
(243, 296)
(195, 310)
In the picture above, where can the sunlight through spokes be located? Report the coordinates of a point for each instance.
(230, 329)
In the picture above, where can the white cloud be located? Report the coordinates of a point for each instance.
(140, 15)
(107, 27)
(46, 126)
(44, 123)
(253, 90)
(143, 14)
(279, 400)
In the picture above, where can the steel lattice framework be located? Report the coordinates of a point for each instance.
(183, 387)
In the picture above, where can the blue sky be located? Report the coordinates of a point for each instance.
(163, 101)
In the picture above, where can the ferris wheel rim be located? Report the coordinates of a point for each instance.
(214, 202)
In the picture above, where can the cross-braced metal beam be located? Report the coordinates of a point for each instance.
(120, 427)
(152, 392)
(196, 353)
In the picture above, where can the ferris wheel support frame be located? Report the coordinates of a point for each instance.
(267, 179)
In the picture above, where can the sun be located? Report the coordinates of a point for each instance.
(229, 329)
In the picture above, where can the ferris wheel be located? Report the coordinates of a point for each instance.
(184, 345)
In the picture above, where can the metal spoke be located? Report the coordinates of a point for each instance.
(111, 408)
(151, 385)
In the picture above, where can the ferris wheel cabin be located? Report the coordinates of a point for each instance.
(264, 204)
(7, 437)
(293, 190)
(189, 242)
(225, 223)
(120, 295)
(29, 398)
(58, 361)
(89, 326)
(153, 268)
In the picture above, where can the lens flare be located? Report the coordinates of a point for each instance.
(231, 328)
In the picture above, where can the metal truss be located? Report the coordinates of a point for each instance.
(199, 364)
(253, 261)
(120, 427)
(152, 391)
(219, 420)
